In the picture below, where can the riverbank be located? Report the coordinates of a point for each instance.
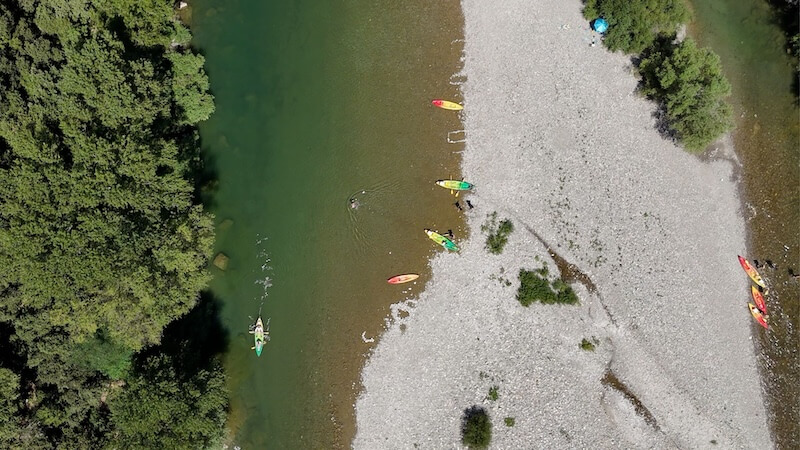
(752, 49)
(565, 148)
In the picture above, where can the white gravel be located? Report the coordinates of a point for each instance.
(559, 142)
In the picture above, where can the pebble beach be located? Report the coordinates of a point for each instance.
(559, 142)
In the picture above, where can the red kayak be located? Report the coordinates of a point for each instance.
(752, 272)
(759, 299)
(757, 315)
(400, 279)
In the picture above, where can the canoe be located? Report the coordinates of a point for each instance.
(752, 272)
(444, 104)
(405, 278)
(258, 333)
(757, 315)
(441, 240)
(759, 299)
(456, 185)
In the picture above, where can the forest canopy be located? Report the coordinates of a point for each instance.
(634, 25)
(102, 237)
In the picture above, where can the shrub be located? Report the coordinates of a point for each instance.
(493, 393)
(587, 345)
(634, 25)
(689, 82)
(476, 428)
(534, 286)
(510, 421)
(498, 235)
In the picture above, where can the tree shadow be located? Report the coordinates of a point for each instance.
(193, 341)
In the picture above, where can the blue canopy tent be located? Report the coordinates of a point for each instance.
(600, 25)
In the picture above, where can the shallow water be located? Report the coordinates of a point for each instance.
(318, 103)
(767, 139)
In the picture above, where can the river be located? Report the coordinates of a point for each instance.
(318, 103)
(767, 139)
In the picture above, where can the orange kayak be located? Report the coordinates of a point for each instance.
(400, 279)
(444, 104)
(757, 315)
(759, 299)
(752, 272)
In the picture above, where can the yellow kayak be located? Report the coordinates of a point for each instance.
(455, 185)
(441, 240)
(752, 272)
(444, 104)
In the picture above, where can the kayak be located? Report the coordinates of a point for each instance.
(456, 185)
(258, 333)
(757, 315)
(441, 240)
(444, 104)
(752, 272)
(399, 279)
(759, 299)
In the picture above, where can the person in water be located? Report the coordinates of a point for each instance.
(458, 205)
(354, 203)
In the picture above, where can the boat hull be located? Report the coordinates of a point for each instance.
(752, 272)
(400, 279)
(456, 185)
(441, 240)
(758, 316)
(444, 104)
(758, 298)
(258, 336)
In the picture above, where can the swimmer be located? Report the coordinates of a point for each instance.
(354, 203)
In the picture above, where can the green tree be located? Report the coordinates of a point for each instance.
(101, 354)
(689, 82)
(476, 428)
(97, 221)
(162, 407)
(9, 388)
(102, 240)
(190, 85)
(634, 25)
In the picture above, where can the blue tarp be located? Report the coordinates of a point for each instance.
(600, 25)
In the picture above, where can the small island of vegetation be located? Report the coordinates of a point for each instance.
(535, 287)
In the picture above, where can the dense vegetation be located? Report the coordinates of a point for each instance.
(101, 236)
(497, 234)
(634, 26)
(535, 287)
(476, 428)
(686, 80)
(689, 82)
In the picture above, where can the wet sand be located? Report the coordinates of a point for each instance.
(559, 142)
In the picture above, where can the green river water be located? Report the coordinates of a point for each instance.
(767, 138)
(316, 103)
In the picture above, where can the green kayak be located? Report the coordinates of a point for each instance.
(455, 185)
(441, 240)
(258, 334)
